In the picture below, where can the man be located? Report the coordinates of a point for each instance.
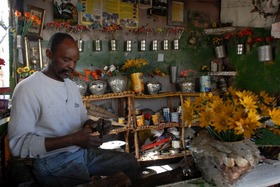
(48, 123)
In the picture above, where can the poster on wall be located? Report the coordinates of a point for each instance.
(246, 14)
(66, 10)
(107, 12)
(90, 12)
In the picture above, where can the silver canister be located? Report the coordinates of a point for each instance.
(220, 51)
(175, 44)
(113, 45)
(142, 45)
(19, 41)
(97, 45)
(165, 45)
(265, 53)
(173, 74)
(154, 45)
(128, 45)
(80, 44)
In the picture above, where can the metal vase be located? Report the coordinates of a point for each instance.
(154, 45)
(240, 49)
(153, 87)
(80, 44)
(117, 83)
(97, 45)
(113, 45)
(220, 51)
(173, 74)
(128, 46)
(265, 53)
(97, 87)
(142, 45)
(165, 44)
(175, 44)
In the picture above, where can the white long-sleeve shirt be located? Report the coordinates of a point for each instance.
(43, 107)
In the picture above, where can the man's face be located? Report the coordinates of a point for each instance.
(64, 60)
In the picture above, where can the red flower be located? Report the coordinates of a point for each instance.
(2, 62)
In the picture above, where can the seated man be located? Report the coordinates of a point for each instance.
(49, 124)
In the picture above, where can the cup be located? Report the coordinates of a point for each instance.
(121, 120)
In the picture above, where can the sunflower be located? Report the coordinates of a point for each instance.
(275, 116)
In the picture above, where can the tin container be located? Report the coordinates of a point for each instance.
(97, 45)
(154, 45)
(205, 83)
(142, 45)
(166, 114)
(128, 45)
(113, 45)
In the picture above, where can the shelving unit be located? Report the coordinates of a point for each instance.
(127, 100)
(170, 96)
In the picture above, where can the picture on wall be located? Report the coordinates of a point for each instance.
(66, 10)
(36, 30)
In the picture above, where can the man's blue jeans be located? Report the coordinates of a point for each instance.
(70, 169)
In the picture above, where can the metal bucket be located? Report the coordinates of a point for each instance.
(265, 53)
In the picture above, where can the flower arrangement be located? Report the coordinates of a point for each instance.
(204, 68)
(242, 36)
(26, 22)
(259, 41)
(233, 117)
(88, 74)
(111, 70)
(215, 41)
(187, 73)
(134, 65)
(24, 72)
(2, 62)
(156, 72)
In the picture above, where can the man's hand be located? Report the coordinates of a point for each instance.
(104, 126)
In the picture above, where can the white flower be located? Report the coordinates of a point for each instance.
(112, 68)
(106, 68)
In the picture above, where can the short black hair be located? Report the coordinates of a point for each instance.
(56, 39)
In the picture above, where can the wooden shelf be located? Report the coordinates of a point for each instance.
(223, 73)
(159, 126)
(167, 94)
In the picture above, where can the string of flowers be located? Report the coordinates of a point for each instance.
(59, 26)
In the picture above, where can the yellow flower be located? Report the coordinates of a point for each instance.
(221, 122)
(188, 111)
(20, 70)
(26, 69)
(275, 116)
(205, 118)
(134, 65)
(248, 103)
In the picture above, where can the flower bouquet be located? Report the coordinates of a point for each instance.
(134, 67)
(226, 152)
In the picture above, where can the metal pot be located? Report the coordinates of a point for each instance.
(97, 87)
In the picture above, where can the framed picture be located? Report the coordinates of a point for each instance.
(36, 30)
(177, 12)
